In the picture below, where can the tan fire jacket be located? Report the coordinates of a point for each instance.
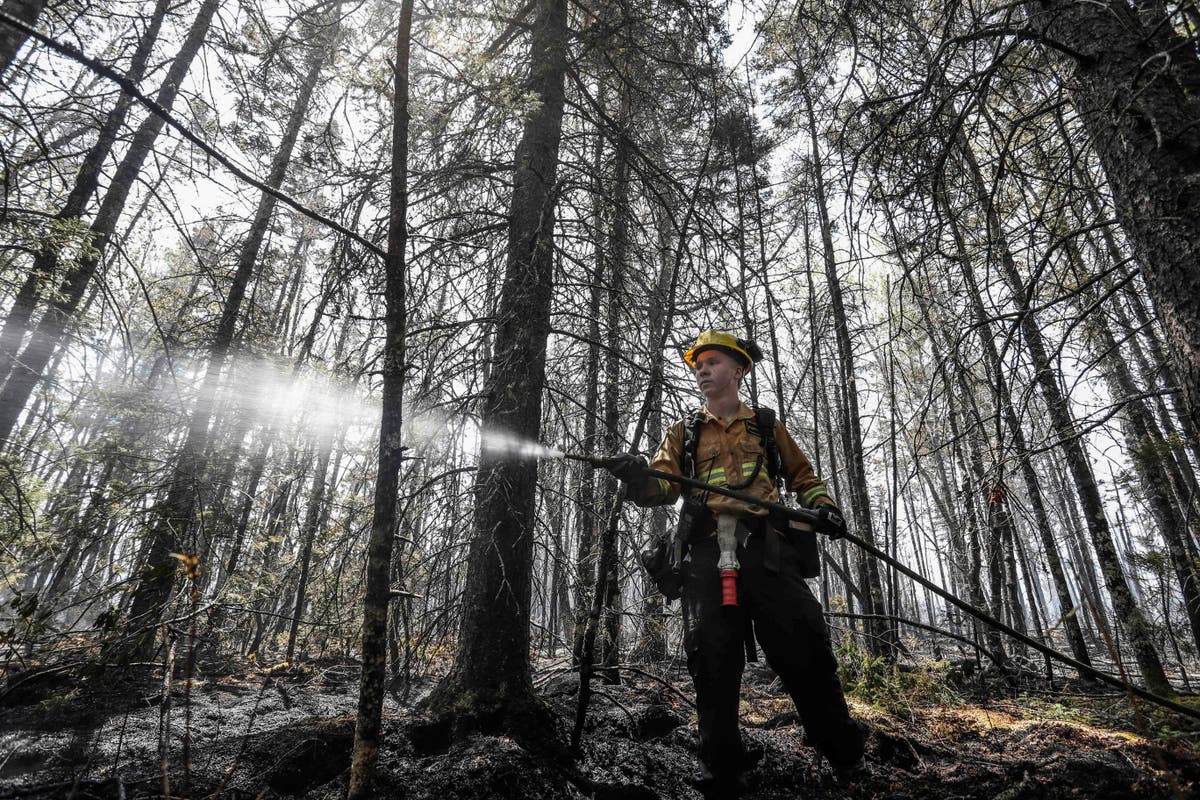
(726, 455)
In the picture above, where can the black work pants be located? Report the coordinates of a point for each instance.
(791, 630)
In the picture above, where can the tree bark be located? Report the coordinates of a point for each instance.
(11, 39)
(490, 683)
(376, 595)
(1134, 90)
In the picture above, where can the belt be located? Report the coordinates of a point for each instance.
(748, 529)
(706, 526)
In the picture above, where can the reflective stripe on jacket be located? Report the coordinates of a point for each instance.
(726, 455)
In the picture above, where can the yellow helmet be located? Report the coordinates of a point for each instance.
(743, 350)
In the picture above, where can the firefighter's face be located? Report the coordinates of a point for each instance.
(717, 372)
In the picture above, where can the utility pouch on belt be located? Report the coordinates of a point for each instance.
(660, 564)
(663, 561)
(695, 521)
(804, 539)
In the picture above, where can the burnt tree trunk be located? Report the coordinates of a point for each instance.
(377, 592)
(1129, 614)
(618, 251)
(882, 640)
(490, 683)
(308, 533)
(588, 519)
(651, 645)
(1149, 453)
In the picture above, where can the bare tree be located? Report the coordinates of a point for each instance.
(490, 681)
(378, 596)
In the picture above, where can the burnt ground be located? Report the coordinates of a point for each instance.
(287, 732)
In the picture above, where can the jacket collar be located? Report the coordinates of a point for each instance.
(743, 412)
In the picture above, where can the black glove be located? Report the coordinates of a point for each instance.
(627, 467)
(831, 522)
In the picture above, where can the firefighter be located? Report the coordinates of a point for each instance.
(734, 550)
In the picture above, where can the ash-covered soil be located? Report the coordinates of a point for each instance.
(287, 733)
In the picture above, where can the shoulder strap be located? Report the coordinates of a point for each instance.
(691, 443)
(765, 420)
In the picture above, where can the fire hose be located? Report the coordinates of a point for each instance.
(808, 517)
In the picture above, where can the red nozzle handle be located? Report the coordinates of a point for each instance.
(729, 587)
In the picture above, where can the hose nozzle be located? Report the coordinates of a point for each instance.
(729, 587)
(728, 563)
(598, 462)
